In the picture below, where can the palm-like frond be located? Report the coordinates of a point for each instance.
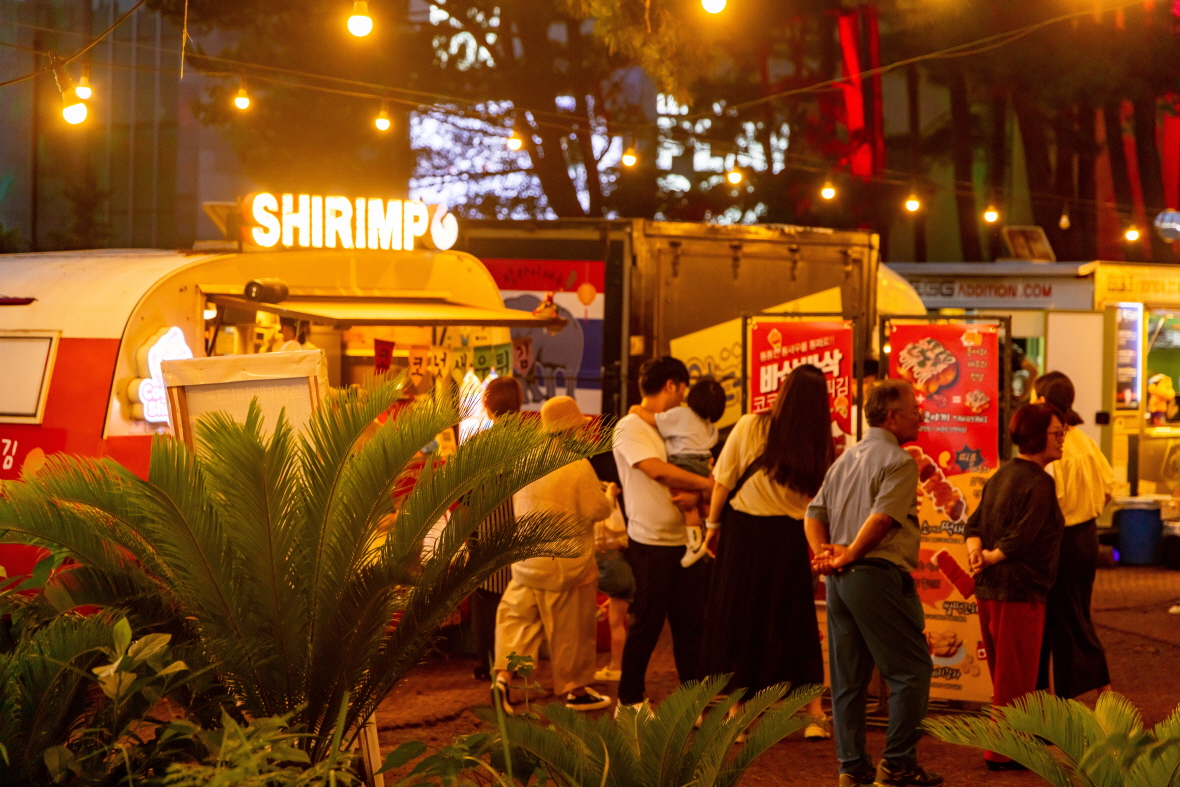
(284, 558)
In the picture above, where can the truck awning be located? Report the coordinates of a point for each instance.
(345, 312)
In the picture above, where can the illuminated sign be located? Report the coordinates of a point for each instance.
(149, 397)
(314, 222)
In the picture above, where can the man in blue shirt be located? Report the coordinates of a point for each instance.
(863, 528)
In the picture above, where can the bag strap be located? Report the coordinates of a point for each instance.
(752, 468)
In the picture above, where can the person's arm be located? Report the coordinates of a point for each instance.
(648, 416)
(817, 534)
(717, 504)
(674, 477)
(592, 502)
(975, 555)
(870, 536)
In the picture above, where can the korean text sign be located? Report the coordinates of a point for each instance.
(775, 346)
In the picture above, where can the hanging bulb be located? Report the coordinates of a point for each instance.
(1132, 234)
(912, 204)
(73, 108)
(1064, 222)
(713, 6)
(630, 157)
(242, 99)
(828, 191)
(515, 142)
(734, 176)
(383, 123)
(991, 215)
(360, 24)
(82, 89)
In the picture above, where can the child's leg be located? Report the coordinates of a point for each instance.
(692, 517)
(617, 612)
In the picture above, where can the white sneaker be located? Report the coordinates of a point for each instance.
(695, 550)
(608, 675)
(591, 700)
(817, 731)
(638, 706)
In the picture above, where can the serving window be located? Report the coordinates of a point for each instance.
(27, 360)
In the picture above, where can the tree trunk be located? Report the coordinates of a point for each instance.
(913, 87)
(1036, 156)
(1084, 213)
(964, 161)
(1150, 174)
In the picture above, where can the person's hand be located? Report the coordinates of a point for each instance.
(991, 556)
(975, 562)
(830, 559)
(612, 490)
(684, 499)
(712, 541)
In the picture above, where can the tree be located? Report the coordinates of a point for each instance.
(285, 562)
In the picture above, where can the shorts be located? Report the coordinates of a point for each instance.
(615, 577)
(693, 463)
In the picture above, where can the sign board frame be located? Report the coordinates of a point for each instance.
(234, 371)
(54, 338)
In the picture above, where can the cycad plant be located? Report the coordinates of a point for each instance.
(1104, 747)
(288, 563)
(643, 747)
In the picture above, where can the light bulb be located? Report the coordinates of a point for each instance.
(991, 215)
(360, 24)
(734, 176)
(1063, 222)
(629, 157)
(515, 142)
(912, 204)
(242, 99)
(74, 113)
(383, 122)
(83, 90)
(1131, 234)
(713, 6)
(828, 191)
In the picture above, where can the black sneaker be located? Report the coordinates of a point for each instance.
(590, 700)
(505, 697)
(864, 778)
(1010, 765)
(900, 777)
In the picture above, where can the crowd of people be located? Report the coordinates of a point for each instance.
(778, 511)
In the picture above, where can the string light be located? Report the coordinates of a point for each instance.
(1064, 222)
(913, 204)
(82, 89)
(991, 215)
(630, 158)
(713, 6)
(383, 123)
(734, 176)
(242, 99)
(73, 108)
(515, 142)
(828, 191)
(360, 24)
(1132, 234)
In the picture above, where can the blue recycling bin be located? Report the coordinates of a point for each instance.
(1140, 528)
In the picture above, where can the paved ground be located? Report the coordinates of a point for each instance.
(1142, 642)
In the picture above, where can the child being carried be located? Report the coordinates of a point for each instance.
(689, 434)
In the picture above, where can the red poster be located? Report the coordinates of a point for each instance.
(955, 371)
(776, 345)
(382, 355)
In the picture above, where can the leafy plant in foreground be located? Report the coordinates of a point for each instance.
(1104, 747)
(284, 558)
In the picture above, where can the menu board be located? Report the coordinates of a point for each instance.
(1128, 383)
(955, 373)
(776, 346)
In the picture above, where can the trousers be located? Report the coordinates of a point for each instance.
(1012, 633)
(664, 590)
(564, 618)
(875, 616)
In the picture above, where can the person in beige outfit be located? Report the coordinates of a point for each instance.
(554, 598)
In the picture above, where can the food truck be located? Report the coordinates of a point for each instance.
(1113, 327)
(83, 334)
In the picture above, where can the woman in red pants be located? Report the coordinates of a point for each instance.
(1013, 542)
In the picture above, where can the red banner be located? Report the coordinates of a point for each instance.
(955, 371)
(777, 345)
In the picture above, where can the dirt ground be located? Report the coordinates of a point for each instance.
(1130, 606)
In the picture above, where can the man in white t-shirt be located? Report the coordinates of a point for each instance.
(664, 590)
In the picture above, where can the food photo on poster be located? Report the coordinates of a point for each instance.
(776, 345)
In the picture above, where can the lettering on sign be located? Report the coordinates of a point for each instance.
(148, 395)
(316, 222)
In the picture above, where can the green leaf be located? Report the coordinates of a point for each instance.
(115, 686)
(150, 645)
(121, 636)
(60, 761)
(176, 666)
(402, 755)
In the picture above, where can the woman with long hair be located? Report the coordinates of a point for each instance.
(1071, 648)
(761, 624)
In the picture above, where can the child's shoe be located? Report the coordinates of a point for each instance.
(695, 550)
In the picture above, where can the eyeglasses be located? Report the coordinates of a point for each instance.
(1060, 434)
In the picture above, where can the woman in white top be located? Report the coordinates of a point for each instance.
(761, 624)
(1085, 481)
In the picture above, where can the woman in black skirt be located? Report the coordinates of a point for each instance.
(761, 623)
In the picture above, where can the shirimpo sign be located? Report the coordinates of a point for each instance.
(311, 221)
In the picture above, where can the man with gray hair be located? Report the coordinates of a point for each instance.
(863, 529)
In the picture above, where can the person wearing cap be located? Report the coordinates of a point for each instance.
(1070, 647)
(555, 598)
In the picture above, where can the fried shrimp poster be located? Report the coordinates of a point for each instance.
(955, 373)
